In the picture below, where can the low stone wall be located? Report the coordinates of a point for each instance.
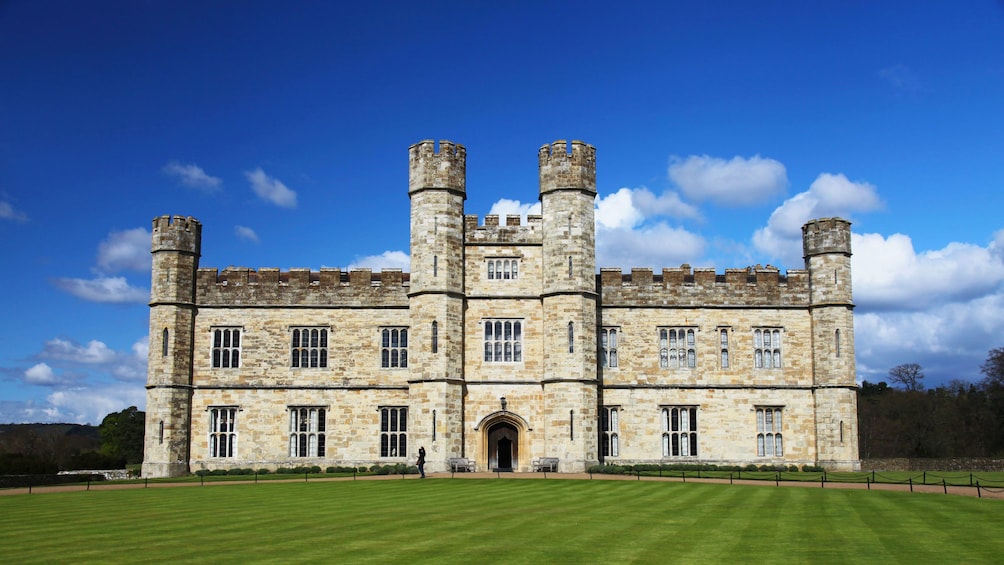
(109, 474)
(945, 464)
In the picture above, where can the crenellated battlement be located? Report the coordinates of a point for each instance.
(753, 286)
(241, 286)
(511, 230)
(561, 169)
(826, 235)
(177, 233)
(445, 168)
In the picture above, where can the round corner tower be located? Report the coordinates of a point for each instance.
(569, 297)
(826, 244)
(176, 247)
(437, 188)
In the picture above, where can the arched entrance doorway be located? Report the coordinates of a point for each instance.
(503, 446)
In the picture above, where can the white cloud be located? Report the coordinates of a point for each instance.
(628, 208)
(506, 207)
(8, 212)
(890, 274)
(655, 246)
(95, 352)
(114, 290)
(829, 195)
(42, 375)
(91, 404)
(246, 233)
(385, 260)
(192, 176)
(271, 189)
(125, 250)
(736, 182)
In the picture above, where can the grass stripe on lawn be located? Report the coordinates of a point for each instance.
(508, 521)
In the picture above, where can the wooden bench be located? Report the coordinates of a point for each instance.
(545, 464)
(461, 464)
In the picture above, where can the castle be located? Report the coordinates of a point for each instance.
(502, 345)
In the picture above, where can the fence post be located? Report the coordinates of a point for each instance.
(822, 481)
(868, 482)
(684, 473)
(978, 493)
(945, 485)
(911, 484)
(924, 477)
(873, 475)
(202, 480)
(146, 482)
(777, 478)
(88, 482)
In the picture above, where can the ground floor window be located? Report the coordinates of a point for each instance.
(610, 424)
(222, 431)
(679, 431)
(306, 432)
(769, 442)
(393, 431)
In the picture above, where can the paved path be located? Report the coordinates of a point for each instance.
(993, 493)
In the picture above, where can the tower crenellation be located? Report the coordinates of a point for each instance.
(445, 168)
(176, 233)
(561, 168)
(826, 235)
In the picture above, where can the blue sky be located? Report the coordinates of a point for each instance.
(720, 128)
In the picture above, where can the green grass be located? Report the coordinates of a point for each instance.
(504, 521)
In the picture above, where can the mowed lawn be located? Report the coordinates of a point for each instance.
(499, 521)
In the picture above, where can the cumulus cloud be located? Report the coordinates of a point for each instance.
(271, 189)
(890, 274)
(89, 405)
(736, 182)
(246, 233)
(385, 260)
(112, 290)
(506, 207)
(829, 195)
(192, 176)
(125, 250)
(628, 208)
(42, 375)
(95, 352)
(8, 212)
(655, 246)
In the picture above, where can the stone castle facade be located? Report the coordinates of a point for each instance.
(502, 346)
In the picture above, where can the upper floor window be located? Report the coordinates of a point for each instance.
(723, 343)
(608, 347)
(503, 341)
(393, 431)
(394, 348)
(306, 432)
(226, 347)
(503, 269)
(677, 348)
(222, 431)
(768, 432)
(767, 348)
(310, 347)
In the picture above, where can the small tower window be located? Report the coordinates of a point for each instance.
(164, 344)
(569, 266)
(836, 341)
(435, 265)
(571, 337)
(435, 337)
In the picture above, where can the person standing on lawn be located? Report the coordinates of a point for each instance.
(421, 462)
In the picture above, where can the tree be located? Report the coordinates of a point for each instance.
(993, 368)
(122, 434)
(908, 374)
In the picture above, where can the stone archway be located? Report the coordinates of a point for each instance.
(503, 446)
(504, 438)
